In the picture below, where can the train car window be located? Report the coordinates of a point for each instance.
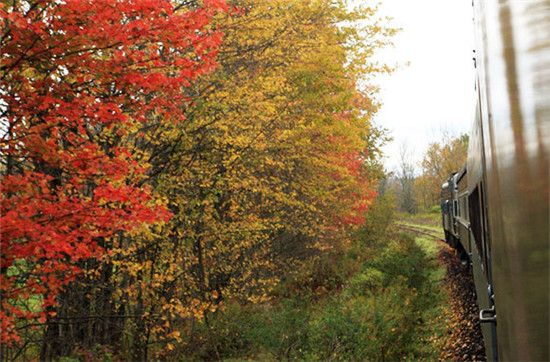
(455, 205)
(466, 207)
(474, 206)
(485, 229)
(458, 209)
(462, 208)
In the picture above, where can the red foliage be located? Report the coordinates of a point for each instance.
(75, 77)
(361, 199)
(357, 198)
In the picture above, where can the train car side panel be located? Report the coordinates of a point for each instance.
(479, 238)
(514, 66)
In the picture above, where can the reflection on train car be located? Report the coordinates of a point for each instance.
(496, 210)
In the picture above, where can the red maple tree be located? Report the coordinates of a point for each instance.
(76, 77)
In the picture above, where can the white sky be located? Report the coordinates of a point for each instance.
(435, 92)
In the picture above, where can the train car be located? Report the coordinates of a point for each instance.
(509, 182)
(447, 211)
(454, 214)
(461, 219)
(479, 238)
(502, 212)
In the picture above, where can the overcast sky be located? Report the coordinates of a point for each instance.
(434, 93)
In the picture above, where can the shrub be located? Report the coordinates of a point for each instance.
(384, 312)
(378, 220)
(278, 331)
(323, 275)
(379, 326)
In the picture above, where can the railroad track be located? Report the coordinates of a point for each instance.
(418, 230)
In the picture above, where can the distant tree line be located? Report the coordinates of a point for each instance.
(417, 186)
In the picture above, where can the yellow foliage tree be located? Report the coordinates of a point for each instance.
(440, 160)
(274, 161)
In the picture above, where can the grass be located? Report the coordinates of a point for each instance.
(427, 219)
(431, 222)
(431, 248)
(428, 245)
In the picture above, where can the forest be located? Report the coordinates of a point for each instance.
(202, 180)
